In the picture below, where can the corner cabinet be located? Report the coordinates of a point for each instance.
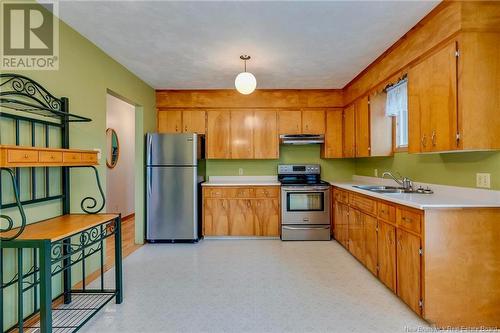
(453, 96)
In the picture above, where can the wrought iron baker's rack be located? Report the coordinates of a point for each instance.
(23, 96)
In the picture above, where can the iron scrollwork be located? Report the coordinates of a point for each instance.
(87, 207)
(24, 87)
(10, 221)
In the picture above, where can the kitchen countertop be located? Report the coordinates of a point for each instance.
(443, 196)
(242, 181)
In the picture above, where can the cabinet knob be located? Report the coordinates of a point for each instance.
(433, 138)
(25, 155)
(185, 128)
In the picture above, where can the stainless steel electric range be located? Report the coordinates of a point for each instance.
(305, 203)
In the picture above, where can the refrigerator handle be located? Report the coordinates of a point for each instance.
(149, 176)
(149, 156)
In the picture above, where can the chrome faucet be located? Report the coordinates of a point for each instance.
(404, 182)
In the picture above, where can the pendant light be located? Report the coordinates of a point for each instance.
(245, 82)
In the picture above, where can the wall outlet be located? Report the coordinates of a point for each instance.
(483, 180)
(240, 171)
(375, 172)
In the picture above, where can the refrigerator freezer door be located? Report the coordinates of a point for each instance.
(171, 149)
(171, 203)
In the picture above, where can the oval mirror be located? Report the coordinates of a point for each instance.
(113, 148)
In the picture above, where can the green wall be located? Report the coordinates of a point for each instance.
(86, 74)
(332, 169)
(458, 169)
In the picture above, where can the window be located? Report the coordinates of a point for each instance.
(397, 106)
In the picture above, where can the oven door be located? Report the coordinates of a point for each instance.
(305, 205)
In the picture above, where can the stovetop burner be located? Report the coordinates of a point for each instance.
(300, 175)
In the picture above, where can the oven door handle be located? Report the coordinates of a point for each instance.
(305, 228)
(305, 189)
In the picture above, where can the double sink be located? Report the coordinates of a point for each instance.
(391, 189)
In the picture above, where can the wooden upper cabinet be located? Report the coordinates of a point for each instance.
(432, 102)
(193, 121)
(350, 131)
(218, 134)
(170, 121)
(290, 122)
(409, 269)
(362, 120)
(332, 148)
(242, 134)
(313, 122)
(265, 135)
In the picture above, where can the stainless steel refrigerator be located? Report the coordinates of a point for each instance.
(173, 177)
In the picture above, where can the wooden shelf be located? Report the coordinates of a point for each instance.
(25, 156)
(61, 227)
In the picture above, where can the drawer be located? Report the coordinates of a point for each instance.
(240, 192)
(267, 192)
(341, 196)
(72, 157)
(213, 192)
(22, 156)
(89, 157)
(364, 204)
(386, 212)
(409, 219)
(51, 156)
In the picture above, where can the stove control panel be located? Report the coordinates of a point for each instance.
(299, 169)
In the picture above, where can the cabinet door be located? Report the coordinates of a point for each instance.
(241, 134)
(241, 218)
(170, 121)
(215, 217)
(218, 134)
(265, 135)
(349, 131)
(432, 93)
(332, 147)
(193, 121)
(356, 235)
(341, 224)
(266, 217)
(387, 254)
(313, 122)
(290, 122)
(370, 233)
(409, 269)
(362, 119)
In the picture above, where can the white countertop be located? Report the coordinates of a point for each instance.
(242, 181)
(443, 196)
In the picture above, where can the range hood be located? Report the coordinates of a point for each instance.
(301, 139)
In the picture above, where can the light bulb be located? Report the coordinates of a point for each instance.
(245, 83)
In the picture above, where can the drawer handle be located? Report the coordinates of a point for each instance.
(382, 211)
(406, 219)
(26, 156)
(52, 157)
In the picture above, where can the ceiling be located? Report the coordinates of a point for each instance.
(196, 45)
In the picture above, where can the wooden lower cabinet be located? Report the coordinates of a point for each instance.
(384, 241)
(266, 214)
(386, 248)
(215, 217)
(356, 235)
(241, 211)
(409, 269)
(341, 225)
(241, 218)
(370, 233)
